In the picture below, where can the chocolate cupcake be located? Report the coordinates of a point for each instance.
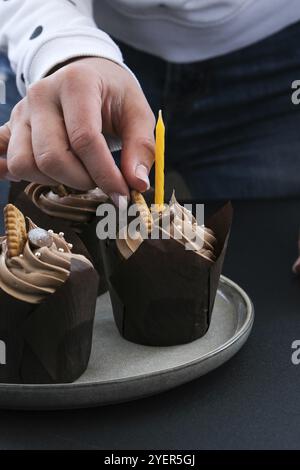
(77, 209)
(47, 297)
(163, 289)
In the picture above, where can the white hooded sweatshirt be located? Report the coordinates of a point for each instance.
(39, 34)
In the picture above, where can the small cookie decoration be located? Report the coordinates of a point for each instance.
(15, 229)
(38, 238)
(145, 213)
(60, 190)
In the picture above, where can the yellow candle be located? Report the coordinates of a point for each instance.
(160, 162)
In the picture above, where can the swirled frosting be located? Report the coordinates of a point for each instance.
(175, 222)
(37, 272)
(78, 207)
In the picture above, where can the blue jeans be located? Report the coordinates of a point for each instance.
(232, 130)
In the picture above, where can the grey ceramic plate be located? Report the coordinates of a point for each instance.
(120, 370)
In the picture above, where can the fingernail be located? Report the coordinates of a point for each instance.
(119, 200)
(141, 172)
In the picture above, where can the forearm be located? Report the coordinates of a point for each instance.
(39, 35)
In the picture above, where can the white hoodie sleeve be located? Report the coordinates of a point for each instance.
(39, 34)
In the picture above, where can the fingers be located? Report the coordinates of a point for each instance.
(56, 136)
(137, 132)
(84, 125)
(4, 142)
(15, 142)
(51, 148)
(20, 159)
(4, 138)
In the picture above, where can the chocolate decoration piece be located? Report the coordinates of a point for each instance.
(38, 237)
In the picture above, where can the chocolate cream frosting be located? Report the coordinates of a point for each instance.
(78, 207)
(178, 223)
(37, 272)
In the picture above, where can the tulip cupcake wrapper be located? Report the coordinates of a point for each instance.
(89, 238)
(163, 295)
(50, 342)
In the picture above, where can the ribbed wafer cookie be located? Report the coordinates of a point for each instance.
(146, 216)
(15, 230)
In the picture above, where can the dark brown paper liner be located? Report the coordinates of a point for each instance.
(89, 238)
(50, 342)
(87, 235)
(163, 295)
(62, 343)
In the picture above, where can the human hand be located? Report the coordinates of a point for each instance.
(55, 134)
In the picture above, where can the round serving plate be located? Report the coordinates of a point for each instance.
(121, 371)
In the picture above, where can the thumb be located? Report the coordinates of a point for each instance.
(138, 150)
(4, 140)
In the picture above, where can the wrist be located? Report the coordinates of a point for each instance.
(63, 49)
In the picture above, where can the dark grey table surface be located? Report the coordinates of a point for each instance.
(252, 402)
